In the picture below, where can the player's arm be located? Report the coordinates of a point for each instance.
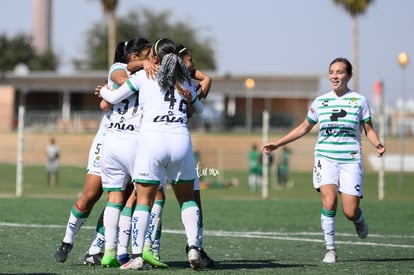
(373, 137)
(149, 67)
(293, 135)
(119, 76)
(124, 91)
(204, 84)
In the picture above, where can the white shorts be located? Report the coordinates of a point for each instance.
(117, 160)
(163, 155)
(94, 158)
(348, 177)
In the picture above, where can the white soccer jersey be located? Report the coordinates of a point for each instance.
(121, 138)
(115, 67)
(94, 157)
(170, 116)
(340, 120)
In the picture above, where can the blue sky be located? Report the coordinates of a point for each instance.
(258, 37)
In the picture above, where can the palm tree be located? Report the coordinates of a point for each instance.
(355, 8)
(109, 8)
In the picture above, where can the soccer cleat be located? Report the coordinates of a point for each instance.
(208, 262)
(330, 256)
(123, 258)
(63, 251)
(361, 229)
(134, 264)
(93, 259)
(153, 260)
(194, 258)
(109, 261)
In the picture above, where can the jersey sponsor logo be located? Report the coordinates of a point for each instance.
(169, 119)
(337, 114)
(122, 126)
(335, 132)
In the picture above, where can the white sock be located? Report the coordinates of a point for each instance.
(110, 220)
(328, 224)
(125, 222)
(140, 220)
(154, 223)
(200, 235)
(75, 221)
(98, 244)
(190, 216)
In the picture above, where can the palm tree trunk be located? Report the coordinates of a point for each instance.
(355, 53)
(111, 37)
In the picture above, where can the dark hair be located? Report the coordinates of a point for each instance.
(135, 46)
(124, 49)
(172, 67)
(164, 46)
(120, 52)
(183, 51)
(348, 65)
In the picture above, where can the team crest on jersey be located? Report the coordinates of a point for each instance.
(97, 162)
(353, 102)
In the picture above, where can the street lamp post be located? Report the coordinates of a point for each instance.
(403, 61)
(249, 84)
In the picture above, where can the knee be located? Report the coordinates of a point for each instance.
(351, 213)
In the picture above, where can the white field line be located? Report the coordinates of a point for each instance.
(284, 236)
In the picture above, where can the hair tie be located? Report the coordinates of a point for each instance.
(182, 50)
(155, 47)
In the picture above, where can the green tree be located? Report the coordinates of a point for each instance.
(18, 50)
(144, 22)
(355, 8)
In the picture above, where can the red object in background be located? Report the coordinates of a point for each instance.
(378, 85)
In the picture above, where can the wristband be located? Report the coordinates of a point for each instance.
(379, 146)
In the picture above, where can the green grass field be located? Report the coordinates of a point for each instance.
(243, 233)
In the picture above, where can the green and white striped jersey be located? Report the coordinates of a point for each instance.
(340, 120)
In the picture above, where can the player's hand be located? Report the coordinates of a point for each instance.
(187, 95)
(269, 147)
(98, 90)
(380, 150)
(150, 69)
(205, 86)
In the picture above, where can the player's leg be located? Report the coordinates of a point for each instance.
(252, 181)
(140, 219)
(190, 216)
(325, 180)
(208, 262)
(151, 252)
(80, 211)
(351, 189)
(125, 221)
(93, 256)
(111, 218)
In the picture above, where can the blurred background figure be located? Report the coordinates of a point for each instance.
(52, 162)
(283, 167)
(255, 169)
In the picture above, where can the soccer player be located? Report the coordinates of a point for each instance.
(204, 85)
(93, 187)
(164, 143)
(338, 166)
